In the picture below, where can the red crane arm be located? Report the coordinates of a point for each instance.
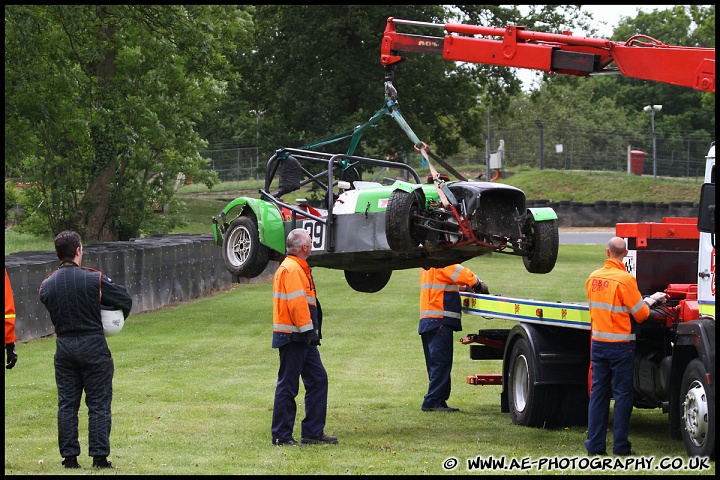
(640, 57)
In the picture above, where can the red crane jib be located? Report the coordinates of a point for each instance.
(640, 57)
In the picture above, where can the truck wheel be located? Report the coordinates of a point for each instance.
(528, 402)
(544, 246)
(402, 207)
(698, 411)
(242, 251)
(367, 282)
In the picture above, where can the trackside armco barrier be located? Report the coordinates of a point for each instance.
(157, 271)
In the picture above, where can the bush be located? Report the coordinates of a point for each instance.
(12, 199)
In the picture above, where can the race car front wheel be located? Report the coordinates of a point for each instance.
(544, 243)
(402, 208)
(242, 251)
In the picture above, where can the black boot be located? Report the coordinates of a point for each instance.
(101, 462)
(71, 462)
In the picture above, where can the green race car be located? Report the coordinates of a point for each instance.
(370, 228)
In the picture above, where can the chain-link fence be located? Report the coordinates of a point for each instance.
(235, 164)
(539, 146)
(559, 149)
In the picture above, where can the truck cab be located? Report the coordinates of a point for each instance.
(706, 226)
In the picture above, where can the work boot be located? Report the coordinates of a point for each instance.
(440, 409)
(101, 462)
(327, 439)
(287, 443)
(71, 462)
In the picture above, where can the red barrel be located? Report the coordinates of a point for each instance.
(637, 160)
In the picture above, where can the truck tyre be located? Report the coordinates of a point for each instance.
(242, 251)
(698, 411)
(529, 403)
(544, 241)
(402, 207)
(367, 282)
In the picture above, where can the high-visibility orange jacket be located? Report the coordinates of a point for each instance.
(9, 312)
(613, 296)
(440, 296)
(294, 301)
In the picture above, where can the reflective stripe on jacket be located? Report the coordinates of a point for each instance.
(613, 296)
(294, 301)
(440, 295)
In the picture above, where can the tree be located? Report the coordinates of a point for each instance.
(316, 72)
(101, 107)
(683, 108)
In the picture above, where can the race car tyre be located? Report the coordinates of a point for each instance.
(698, 411)
(242, 251)
(530, 404)
(402, 207)
(544, 242)
(367, 282)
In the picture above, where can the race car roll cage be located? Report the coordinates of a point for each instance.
(288, 160)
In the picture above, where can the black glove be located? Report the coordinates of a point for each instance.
(12, 356)
(313, 338)
(481, 287)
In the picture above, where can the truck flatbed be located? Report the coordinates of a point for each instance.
(569, 315)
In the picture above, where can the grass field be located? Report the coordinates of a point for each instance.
(194, 385)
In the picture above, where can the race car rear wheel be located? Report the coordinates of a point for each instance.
(242, 251)
(402, 208)
(544, 246)
(367, 282)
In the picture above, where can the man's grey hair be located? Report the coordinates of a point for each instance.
(296, 239)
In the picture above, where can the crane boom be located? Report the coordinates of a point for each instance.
(640, 57)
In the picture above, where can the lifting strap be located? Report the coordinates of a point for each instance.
(390, 108)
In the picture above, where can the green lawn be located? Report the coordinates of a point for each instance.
(194, 387)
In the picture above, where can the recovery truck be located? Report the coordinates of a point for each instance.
(546, 354)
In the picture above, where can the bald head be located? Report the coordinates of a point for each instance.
(616, 248)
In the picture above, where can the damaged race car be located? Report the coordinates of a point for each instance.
(368, 229)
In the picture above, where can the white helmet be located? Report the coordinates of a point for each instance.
(112, 320)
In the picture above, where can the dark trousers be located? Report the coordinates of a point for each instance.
(299, 360)
(613, 365)
(438, 349)
(84, 363)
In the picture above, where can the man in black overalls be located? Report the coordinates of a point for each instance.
(73, 295)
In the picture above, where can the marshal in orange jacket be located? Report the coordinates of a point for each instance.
(294, 301)
(440, 295)
(613, 296)
(9, 312)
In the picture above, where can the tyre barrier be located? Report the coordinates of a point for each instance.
(608, 213)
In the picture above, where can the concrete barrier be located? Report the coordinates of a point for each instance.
(157, 271)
